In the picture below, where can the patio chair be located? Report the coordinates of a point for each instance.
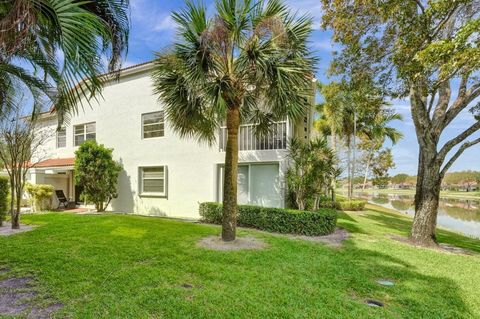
(63, 200)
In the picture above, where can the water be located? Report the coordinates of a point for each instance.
(458, 215)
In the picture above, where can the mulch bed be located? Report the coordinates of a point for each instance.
(441, 247)
(335, 239)
(241, 243)
(6, 229)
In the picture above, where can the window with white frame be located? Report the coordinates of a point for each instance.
(84, 132)
(153, 181)
(62, 137)
(153, 125)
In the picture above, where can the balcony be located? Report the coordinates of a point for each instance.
(248, 141)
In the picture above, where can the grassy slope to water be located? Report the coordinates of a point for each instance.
(117, 266)
(445, 194)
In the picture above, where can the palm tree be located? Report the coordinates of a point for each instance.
(356, 109)
(332, 112)
(247, 63)
(378, 132)
(312, 166)
(63, 41)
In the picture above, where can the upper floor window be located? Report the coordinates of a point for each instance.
(84, 132)
(153, 125)
(62, 137)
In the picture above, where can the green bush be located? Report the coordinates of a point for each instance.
(41, 196)
(343, 204)
(321, 222)
(97, 173)
(352, 205)
(4, 192)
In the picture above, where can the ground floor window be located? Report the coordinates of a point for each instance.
(153, 181)
(258, 184)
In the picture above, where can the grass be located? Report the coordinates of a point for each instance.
(446, 194)
(120, 266)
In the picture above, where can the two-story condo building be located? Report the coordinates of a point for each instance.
(162, 173)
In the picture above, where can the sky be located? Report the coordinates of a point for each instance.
(152, 29)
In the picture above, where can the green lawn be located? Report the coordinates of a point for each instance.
(120, 266)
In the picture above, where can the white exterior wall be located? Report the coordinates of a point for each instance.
(191, 168)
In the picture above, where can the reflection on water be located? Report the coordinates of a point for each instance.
(460, 215)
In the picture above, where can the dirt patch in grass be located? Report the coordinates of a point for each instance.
(441, 247)
(335, 239)
(6, 229)
(241, 243)
(18, 297)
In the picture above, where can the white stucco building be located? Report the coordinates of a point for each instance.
(162, 173)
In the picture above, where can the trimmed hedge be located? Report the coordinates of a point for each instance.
(322, 222)
(344, 204)
(352, 205)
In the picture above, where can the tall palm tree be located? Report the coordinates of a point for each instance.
(247, 63)
(63, 41)
(356, 109)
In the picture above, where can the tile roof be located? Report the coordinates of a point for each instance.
(55, 162)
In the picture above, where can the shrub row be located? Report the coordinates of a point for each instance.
(344, 204)
(354, 204)
(321, 222)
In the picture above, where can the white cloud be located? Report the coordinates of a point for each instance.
(165, 24)
(324, 45)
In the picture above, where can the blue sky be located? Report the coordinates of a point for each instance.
(153, 29)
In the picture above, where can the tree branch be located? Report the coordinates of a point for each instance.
(420, 5)
(457, 155)
(465, 97)
(442, 23)
(432, 99)
(457, 140)
(444, 94)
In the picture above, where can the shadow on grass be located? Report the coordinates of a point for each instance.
(145, 276)
(404, 225)
(415, 294)
(347, 222)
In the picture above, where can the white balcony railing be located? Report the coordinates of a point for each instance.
(248, 141)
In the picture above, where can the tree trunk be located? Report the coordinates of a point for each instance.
(13, 215)
(366, 173)
(349, 165)
(229, 222)
(427, 198)
(16, 218)
(333, 185)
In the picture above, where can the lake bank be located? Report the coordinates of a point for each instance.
(461, 215)
(446, 194)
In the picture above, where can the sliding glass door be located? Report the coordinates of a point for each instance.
(258, 184)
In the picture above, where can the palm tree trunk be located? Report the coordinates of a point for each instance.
(349, 164)
(354, 151)
(366, 172)
(229, 222)
(334, 148)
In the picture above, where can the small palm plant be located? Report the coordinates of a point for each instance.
(248, 63)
